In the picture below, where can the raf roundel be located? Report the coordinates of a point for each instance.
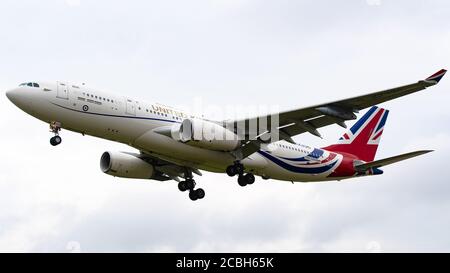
(85, 108)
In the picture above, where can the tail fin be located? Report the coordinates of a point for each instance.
(364, 136)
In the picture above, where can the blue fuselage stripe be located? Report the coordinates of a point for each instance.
(296, 169)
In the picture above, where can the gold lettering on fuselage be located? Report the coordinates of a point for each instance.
(168, 111)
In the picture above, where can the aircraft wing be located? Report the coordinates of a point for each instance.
(166, 170)
(383, 162)
(309, 119)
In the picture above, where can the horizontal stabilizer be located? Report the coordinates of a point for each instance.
(383, 162)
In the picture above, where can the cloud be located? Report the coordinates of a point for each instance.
(73, 3)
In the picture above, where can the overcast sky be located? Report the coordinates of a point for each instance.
(285, 54)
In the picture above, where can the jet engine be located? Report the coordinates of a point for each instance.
(127, 165)
(205, 134)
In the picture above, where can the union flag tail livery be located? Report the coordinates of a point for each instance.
(363, 138)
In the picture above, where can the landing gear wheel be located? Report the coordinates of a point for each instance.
(242, 181)
(236, 168)
(56, 140)
(249, 178)
(182, 186)
(200, 193)
(246, 179)
(231, 170)
(193, 195)
(190, 184)
(239, 168)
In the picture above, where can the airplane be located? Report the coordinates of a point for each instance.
(173, 144)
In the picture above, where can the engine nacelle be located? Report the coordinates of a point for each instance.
(126, 165)
(205, 134)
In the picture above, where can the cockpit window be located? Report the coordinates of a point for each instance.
(31, 84)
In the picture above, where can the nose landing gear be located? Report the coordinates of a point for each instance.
(56, 140)
(55, 127)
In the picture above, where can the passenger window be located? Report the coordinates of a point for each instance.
(30, 84)
(35, 85)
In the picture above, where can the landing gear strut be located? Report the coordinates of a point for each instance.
(238, 169)
(55, 127)
(189, 184)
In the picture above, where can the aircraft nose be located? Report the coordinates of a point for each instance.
(11, 94)
(18, 97)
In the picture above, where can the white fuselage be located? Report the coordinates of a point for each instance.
(132, 122)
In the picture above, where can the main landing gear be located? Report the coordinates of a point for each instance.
(189, 184)
(55, 127)
(238, 169)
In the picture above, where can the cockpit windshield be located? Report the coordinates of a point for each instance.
(31, 84)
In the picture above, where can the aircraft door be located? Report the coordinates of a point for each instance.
(62, 91)
(130, 107)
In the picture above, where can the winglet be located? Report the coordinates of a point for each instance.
(437, 76)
